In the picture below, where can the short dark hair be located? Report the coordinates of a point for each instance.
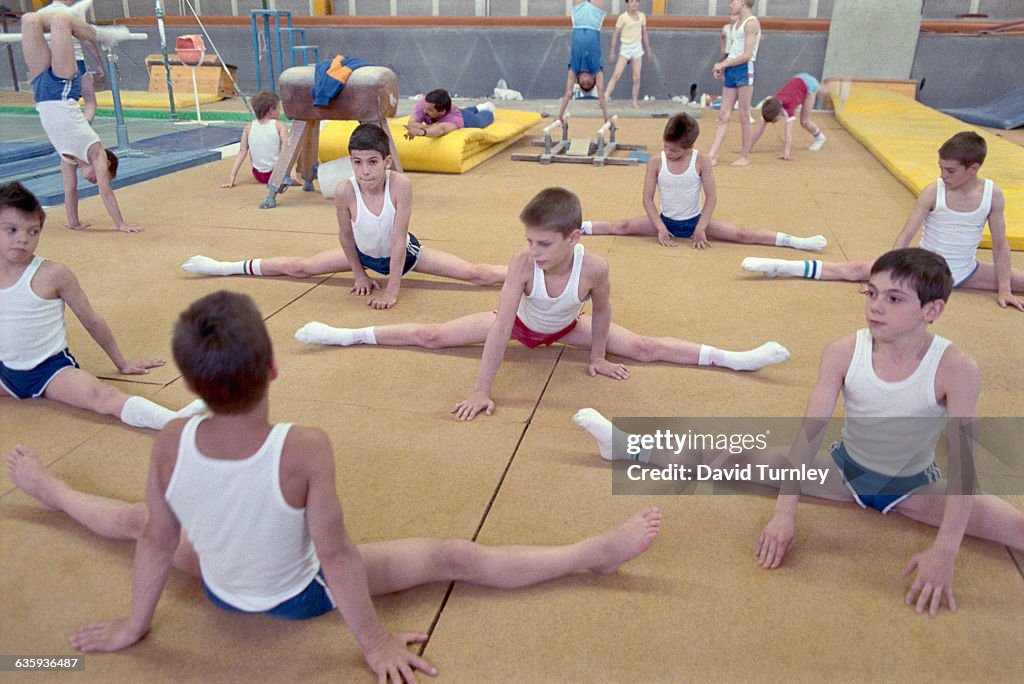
(17, 196)
(924, 271)
(554, 209)
(112, 163)
(369, 136)
(770, 109)
(966, 147)
(580, 75)
(263, 103)
(681, 129)
(440, 99)
(222, 347)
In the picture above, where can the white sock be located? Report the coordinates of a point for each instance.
(767, 354)
(207, 266)
(819, 140)
(587, 228)
(815, 243)
(601, 429)
(321, 333)
(773, 268)
(194, 408)
(143, 413)
(109, 36)
(485, 107)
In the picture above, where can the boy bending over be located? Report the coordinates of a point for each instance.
(283, 504)
(373, 208)
(540, 303)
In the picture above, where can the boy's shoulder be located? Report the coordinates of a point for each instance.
(839, 352)
(595, 267)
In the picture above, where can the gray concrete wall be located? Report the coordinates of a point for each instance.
(869, 39)
(958, 70)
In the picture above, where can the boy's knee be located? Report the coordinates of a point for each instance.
(429, 336)
(646, 349)
(454, 557)
(723, 117)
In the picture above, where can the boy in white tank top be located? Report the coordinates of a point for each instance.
(900, 385)
(547, 284)
(379, 200)
(736, 72)
(263, 139)
(680, 174)
(35, 361)
(953, 210)
(283, 551)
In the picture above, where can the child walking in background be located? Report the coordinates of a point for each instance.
(632, 27)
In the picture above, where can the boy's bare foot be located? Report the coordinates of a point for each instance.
(627, 541)
(636, 105)
(742, 161)
(31, 476)
(130, 228)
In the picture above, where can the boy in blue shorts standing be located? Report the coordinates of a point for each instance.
(737, 73)
(374, 209)
(679, 175)
(586, 60)
(34, 358)
(252, 510)
(800, 92)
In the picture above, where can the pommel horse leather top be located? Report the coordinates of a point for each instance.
(370, 96)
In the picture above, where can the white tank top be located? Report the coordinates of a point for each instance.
(956, 234)
(32, 329)
(901, 420)
(545, 314)
(680, 192)
(254, 549)
(264, 145)
(739, 40)
(372, 232)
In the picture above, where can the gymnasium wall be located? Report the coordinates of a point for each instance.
(957, 69)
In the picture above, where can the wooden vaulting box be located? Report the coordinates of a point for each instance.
(210, 76)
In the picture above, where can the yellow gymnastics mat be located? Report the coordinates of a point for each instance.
(457, 152)
(142, 98)
(905, 136)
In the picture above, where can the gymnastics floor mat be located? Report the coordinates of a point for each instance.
(905, 136)
(457, 152)
(147, 100)
(1004, 112)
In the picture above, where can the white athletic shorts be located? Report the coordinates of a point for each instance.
(632, 50)
(66, 127)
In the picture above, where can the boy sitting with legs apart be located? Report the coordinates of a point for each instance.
(373, 228)
(800, 93)
(56, 87)
(901, 385)
(546, 288)
(679, 175)
(954, 210)
(252, 509)
(34, 357)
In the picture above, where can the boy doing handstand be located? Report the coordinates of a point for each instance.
(900, 385)
(56, 87)
(34, 357)
(252, 509)
(953, 210)
(679, 174)
(373, 228)
(586, 61)
(540, 303)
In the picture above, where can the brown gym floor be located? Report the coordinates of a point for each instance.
(695, 607)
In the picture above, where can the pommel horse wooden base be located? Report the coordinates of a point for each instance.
(369, 96)
(596, 151)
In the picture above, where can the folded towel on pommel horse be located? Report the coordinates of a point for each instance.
(370, 96)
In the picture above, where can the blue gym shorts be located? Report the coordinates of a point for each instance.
(586, 52)
(311, 602)
(81, 67)
(48, 86)
(812, 83)
(382, 265)
(739, 75)
(875, 490)
(30, 384)
(680, 229)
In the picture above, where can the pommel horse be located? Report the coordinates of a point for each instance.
(369, 96)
